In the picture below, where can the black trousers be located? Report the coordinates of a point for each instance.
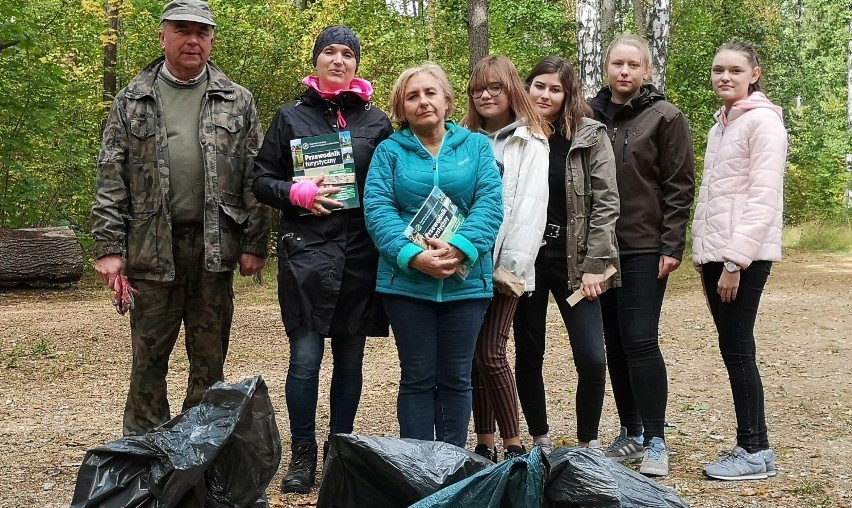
(735, 324)
(585, 333)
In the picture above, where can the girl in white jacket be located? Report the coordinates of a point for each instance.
(500, 108)
(736, 237)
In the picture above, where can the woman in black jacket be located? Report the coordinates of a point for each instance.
(326, 259)
(655, 173)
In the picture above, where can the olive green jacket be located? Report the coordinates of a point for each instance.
(593, 204)
(131, 214)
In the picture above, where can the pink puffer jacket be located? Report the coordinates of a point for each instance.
(740, 203)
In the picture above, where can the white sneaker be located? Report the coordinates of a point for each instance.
(655, 461)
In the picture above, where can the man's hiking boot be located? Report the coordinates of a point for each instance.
(301, 474)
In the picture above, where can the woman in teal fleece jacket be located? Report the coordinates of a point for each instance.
(435, 317)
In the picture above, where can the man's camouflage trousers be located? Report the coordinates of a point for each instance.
(204, 302)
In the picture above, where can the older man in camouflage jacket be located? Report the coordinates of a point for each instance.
(174, 211)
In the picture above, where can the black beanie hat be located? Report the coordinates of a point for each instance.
(337, 34)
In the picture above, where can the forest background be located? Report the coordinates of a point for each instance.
(61, 62)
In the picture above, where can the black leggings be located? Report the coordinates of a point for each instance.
(585, 333)
(735, 324)
(631, 315)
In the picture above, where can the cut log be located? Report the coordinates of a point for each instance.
(39, 257)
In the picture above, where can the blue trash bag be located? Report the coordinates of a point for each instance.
(383, 472)
(221, 453)
(580, 477)
(514, 483)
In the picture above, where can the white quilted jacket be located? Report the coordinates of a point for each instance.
(740, 203)
(525, 195)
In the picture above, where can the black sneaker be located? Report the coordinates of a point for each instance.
(513, 451)
(484, 451)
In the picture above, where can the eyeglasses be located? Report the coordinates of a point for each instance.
(494, 89)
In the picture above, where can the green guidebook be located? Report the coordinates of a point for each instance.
(438, 217)
(329, 155)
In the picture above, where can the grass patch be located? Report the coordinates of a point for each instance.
(810, 488)
(820, 237)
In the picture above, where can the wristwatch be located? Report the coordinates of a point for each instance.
(732, 267)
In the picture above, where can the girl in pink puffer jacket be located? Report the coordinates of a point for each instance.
(736, 237)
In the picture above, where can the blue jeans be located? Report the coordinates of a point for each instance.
(631, 317)
(302, 385)
(735, 324)
(435, 342)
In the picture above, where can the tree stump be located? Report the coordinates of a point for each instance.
(39, 256)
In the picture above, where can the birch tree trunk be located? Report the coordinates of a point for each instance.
(589, 46)
(660, 20)
(849, 116)
(477, 30)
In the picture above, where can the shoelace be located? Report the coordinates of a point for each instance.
(655, 452)
(619, 442)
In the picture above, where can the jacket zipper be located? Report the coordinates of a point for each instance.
(624, 148)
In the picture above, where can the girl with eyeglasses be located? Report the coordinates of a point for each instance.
(499, 107)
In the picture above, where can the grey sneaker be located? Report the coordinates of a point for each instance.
(655, 460)
(545, 444)
(739, 465)
(625, 447)
(769, 459)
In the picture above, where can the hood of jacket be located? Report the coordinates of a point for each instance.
(504, 132)
(756, 100)
(345, 100)
(452, 139)
(647, 96)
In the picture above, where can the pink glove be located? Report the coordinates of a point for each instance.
(303, 193)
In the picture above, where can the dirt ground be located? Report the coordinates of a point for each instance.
(65, 354)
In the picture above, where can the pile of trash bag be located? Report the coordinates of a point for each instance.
(580, 477)
(396, 473)
(223, 452)
(383, 472)
(514, 483)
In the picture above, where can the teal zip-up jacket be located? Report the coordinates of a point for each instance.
(402, 173)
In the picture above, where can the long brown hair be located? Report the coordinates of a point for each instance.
(574, 107)
(499, 68)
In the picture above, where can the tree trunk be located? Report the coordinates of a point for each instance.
(640, 15)
(111, 49)
(609, 11)
(477, 30)
(660, 20)
(39, 256)
(589, 46)
(849, 117)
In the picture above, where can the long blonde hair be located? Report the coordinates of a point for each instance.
(499, 68)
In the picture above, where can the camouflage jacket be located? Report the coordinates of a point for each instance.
(131, 214)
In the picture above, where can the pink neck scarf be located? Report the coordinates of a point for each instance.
(360, 87)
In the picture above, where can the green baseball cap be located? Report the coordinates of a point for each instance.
(188, 10)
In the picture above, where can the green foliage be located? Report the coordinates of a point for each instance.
(51, 92)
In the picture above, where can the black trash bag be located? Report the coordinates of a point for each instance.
(221, 453)
(382, 472)
(515, 483)
(580, 477)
